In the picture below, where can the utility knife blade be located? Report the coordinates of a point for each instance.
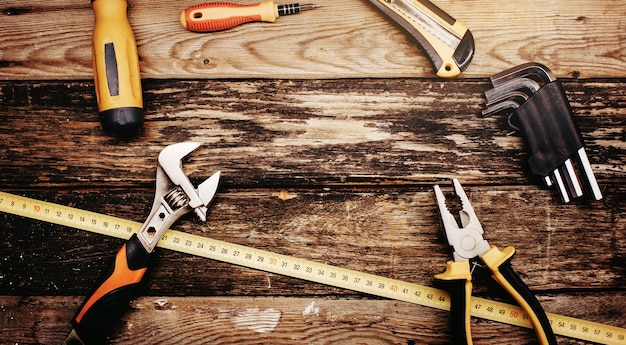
(448, 43)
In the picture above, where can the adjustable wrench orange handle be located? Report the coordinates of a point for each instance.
(103, 308)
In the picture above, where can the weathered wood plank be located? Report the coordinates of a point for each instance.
(344, 38)
(226, 320)
(393, 233)
(276, 133)
(358, 156)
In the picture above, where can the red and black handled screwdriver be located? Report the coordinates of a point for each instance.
(216, 16)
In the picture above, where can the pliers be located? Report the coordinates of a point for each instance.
(174, 197)
(469, 245)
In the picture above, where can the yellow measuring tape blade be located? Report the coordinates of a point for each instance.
(303, 269)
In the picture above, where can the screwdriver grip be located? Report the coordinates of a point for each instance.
(116, 69)
(216, 16)
(458, 279)
(499, 262)
(103, 308)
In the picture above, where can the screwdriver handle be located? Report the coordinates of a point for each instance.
(216, 16)
(100, 311)
(116, 69)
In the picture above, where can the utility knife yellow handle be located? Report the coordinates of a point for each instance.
(448, 43)
(499, 262)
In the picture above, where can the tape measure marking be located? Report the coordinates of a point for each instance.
(303, 269)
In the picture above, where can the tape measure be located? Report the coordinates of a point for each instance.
(303, 269)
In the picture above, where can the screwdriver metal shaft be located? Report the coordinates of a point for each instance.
(295, 8)
(217, 16)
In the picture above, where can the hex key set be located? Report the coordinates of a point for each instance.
(538, 109)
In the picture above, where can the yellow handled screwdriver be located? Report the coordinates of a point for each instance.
(116, 69)
(216, 16)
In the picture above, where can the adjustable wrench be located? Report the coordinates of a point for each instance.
(174, 197)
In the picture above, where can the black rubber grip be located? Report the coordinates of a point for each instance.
(522, 289)
(123, 122)
(458, 281)
(547, 124)
(459, 305)
(464, 53)
(102, 309)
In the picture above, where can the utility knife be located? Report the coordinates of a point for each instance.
(448, 43)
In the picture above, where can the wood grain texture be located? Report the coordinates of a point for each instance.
(264, 133)
(394, 234)
(361, 172)
(219, 320)
(342, 39)
(338, 109)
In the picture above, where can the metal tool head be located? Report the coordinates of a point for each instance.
(466, 239)
(503, 106)
(515, 95)
(527, 70)
(170, 165)
(175, 195)
(508, 107)
(527, 85)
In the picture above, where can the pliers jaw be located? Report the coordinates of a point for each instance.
(467, 239)
(469, 245)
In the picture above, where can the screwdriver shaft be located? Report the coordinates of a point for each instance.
(294, 8)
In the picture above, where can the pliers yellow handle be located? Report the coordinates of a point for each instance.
(468, 243)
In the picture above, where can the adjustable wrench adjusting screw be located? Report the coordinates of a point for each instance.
(176, 198)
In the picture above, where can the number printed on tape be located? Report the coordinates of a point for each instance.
(303, 269)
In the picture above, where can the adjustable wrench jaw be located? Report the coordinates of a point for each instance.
(466, 240)
(170, 160)
(175, 195)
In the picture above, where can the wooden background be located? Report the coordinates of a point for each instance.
(338, 108)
